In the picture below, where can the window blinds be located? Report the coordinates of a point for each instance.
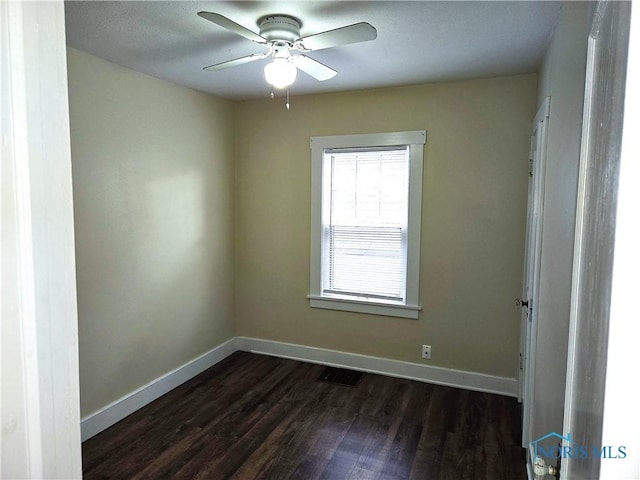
(365, 230)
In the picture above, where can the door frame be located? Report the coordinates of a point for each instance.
(39, 329)
(595, 389)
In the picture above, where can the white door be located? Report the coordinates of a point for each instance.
(532, 267)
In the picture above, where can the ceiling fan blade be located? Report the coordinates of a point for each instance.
(236, 62)
(358, 32)
(231, 25)
(314, 68)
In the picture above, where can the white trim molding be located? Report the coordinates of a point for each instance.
(121, 408)
(38, 305)
(394, 368)
(321, 181)
(374, 308)
(114, 412)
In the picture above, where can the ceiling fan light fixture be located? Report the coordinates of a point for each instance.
(281, 72)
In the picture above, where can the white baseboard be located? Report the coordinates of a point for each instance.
(116, 411)
(393, 368)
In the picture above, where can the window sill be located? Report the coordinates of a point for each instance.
(374, 308)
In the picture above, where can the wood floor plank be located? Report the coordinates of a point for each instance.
(330, 427)
(213, 449)
(400, 459)
(345, 457)
(276, 448)
(258, 417)
(174, 456)
(426, 463)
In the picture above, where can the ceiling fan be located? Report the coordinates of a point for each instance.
(281, 34)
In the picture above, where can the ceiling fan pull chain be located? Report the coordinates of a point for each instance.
(287, 98)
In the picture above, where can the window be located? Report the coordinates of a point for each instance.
(365, 215)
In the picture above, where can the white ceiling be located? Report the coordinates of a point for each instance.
(418, 41)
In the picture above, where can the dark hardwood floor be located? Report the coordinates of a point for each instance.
(254, 416)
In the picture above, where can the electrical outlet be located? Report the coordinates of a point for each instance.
(426, 352)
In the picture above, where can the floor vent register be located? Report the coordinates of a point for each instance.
(340, 376)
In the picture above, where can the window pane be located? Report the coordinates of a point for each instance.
(367, 261)
(366, 235)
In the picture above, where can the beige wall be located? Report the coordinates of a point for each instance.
(192, 222)
(474, 208)
(153, 199)
(562, 77)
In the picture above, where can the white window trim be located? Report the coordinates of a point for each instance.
(416, 141)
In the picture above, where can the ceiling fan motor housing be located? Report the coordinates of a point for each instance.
(281, 34)
(280, 28)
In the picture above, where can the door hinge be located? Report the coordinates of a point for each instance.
(531, 167)
(521, 362)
